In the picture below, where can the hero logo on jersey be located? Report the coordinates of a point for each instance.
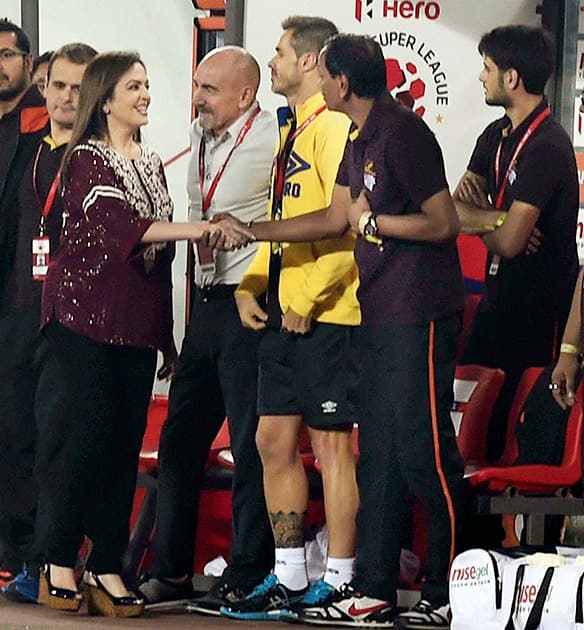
(405, 9)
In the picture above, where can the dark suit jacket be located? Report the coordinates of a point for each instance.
(20, 133)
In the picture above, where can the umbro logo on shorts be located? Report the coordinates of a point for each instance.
(329, 406)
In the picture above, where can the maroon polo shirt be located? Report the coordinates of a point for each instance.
(545, 175)
(396, 158)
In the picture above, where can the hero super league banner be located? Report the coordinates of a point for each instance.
(431, 59)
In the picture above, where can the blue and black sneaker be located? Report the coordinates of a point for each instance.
(24, 588)
(319, 594)
(265, 603)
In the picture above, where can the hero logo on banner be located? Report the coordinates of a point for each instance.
(405, 9)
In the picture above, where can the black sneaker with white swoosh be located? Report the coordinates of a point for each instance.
(348, 607)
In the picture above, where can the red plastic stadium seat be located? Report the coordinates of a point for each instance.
(146, 484)
(511, 450)
(157, 413)
(534, 490)
(475, 392)
(543, 478)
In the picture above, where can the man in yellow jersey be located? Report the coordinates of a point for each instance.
(311, 312)
(391, 190)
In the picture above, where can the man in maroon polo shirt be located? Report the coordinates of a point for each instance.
(391, 189)
(522, 176)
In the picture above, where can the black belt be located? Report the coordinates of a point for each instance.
(216, 292)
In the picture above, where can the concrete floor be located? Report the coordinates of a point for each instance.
(34, 617)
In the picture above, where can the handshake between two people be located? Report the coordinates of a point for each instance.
(226, 233)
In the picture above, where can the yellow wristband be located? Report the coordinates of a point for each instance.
(500, 220)
(491, 227)
(569, 348)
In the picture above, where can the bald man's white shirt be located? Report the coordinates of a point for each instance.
(243, 189)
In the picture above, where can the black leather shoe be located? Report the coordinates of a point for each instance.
(220, 594)
(161, 593)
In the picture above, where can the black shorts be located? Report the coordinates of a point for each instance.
(312, 375)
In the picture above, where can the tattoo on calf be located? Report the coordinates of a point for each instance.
(288, 529)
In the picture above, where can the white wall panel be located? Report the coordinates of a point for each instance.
(445, 32)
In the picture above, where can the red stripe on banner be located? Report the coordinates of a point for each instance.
(176, 157)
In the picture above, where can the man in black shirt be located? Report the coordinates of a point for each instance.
(30, 386)
(521, 180)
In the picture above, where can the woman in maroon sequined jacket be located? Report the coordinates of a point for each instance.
(106, 311)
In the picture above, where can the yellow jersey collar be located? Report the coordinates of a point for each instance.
(304, 110)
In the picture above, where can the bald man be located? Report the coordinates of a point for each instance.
(232, 146)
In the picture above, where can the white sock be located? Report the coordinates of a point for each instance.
(339, 571)
(290, 568)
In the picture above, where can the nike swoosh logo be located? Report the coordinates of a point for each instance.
(354, 611)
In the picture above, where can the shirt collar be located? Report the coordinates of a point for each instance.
(507, 131)
(233, 130)
(30, 99)
(48, 139)
(310, 105)
(369, 129)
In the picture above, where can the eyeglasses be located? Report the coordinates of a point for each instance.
(6, 54)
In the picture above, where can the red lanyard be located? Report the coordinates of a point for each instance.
(209, 197)
(282, 157)
(528, 133)
(46, 207)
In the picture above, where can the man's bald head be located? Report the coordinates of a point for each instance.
(237, 63)
(226, 84)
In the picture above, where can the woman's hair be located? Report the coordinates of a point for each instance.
(97, 86)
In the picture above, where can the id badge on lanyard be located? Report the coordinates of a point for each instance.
(41, 252)
(494, 266)
(205, 256)
(41, 245)
(205, 264)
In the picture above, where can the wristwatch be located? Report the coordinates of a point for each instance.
(370, 229)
